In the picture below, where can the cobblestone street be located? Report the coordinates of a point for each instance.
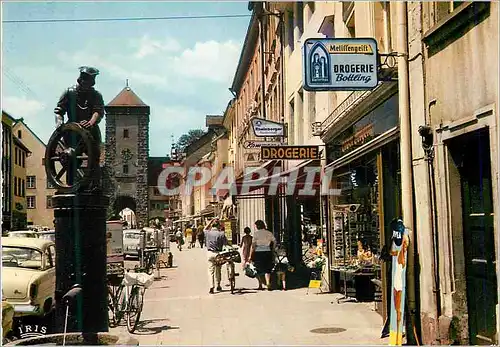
(179, 311)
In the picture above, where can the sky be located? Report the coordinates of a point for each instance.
(182, 69)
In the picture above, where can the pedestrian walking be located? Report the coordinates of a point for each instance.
(188, 233)
(262, 253)
(246, 246)
(179, 238)
(216, 240)
(201, 234)
(193, 236)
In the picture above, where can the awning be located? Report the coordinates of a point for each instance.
(292, 180)
(207, 211)
(252, 176)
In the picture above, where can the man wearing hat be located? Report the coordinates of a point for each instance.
(82, 103)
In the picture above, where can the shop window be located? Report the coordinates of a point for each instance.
(31, 182)
(31, 201)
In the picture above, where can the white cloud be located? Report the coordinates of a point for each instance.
(212, 60)
(21, 107)
(147, 46)
(168, 121)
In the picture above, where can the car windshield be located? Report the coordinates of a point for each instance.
(21, 257)
(32, 235)
(132, 236)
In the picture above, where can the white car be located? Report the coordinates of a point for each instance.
(131, 242)
(29, 275)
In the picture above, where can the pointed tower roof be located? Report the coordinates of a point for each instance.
(127, 98)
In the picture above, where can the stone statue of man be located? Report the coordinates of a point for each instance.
(82, 103)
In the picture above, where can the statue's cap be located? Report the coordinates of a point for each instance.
(92, 71)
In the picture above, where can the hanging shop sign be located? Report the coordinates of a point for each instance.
(266, 128)
(399, 251)
(340, 64)
(289, 152)
(258, 144)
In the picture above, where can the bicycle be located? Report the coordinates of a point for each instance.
(229, 256)
(128, 299)
(116, 303)
(150, 259)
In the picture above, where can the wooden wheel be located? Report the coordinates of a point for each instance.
(71, 157)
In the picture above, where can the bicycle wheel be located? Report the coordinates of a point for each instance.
(232, 278)
(134, 309)
(111, 309)
(120, 304)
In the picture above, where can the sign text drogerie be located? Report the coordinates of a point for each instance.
(289, 152)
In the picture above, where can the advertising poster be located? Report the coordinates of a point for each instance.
(400, 243)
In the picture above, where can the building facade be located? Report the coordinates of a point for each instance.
(39, 192)
(19, 208)
(258, 87)
(127, 152)
(456, 189)
(7, 175)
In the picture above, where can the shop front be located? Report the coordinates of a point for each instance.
(363, 165)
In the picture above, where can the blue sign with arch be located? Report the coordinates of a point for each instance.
(340, 64)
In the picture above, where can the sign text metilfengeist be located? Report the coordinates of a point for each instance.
(289, 152)
(340, 64)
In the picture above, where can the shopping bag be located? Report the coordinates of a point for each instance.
(250, 270)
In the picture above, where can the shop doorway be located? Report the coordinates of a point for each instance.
(471, 155)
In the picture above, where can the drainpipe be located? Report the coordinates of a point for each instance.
(406, 163)
(262, 61)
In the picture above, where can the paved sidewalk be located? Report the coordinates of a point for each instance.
(179, 311)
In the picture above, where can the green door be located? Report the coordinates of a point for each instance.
(477, 204)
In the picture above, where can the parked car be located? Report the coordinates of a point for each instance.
(23, 233)
(29, 275)
(47, 235)
(131, 242)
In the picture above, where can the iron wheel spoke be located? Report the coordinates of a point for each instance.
(61, 173)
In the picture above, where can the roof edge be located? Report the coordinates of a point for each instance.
(244, 61)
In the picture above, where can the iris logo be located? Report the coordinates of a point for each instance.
(31, 330)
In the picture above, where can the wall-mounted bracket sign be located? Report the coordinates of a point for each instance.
(289, 152)
(257, 144)
(266, 128)
(340, 64)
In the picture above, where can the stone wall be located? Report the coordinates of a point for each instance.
(142, 169)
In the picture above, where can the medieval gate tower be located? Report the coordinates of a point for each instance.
(127, 152)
